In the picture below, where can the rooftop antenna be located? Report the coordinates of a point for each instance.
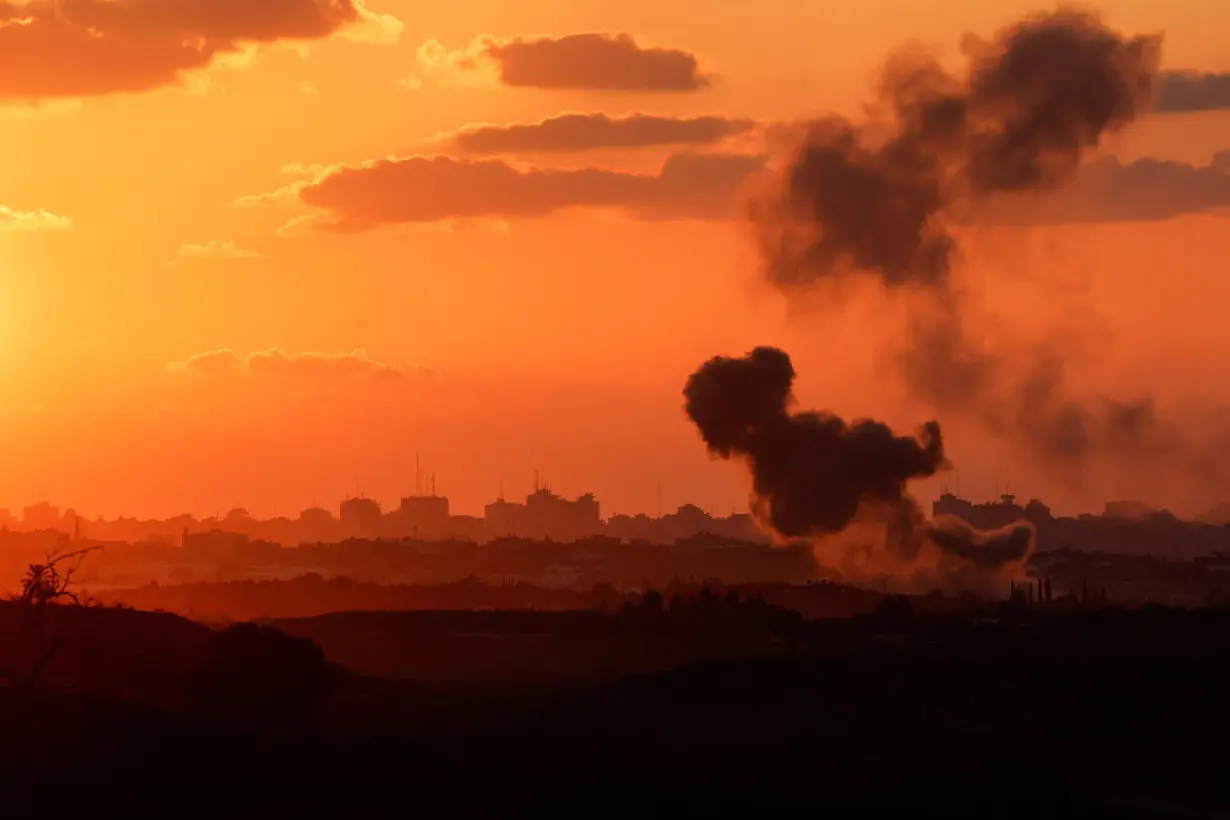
(433, 485)
(418, 475)
(536, 487)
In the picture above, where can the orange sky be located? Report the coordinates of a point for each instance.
(494, 343)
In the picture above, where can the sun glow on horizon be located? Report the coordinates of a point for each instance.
(574, 249)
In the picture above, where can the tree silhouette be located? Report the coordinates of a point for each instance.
(706, 599)
(50, 581)
(44, 589)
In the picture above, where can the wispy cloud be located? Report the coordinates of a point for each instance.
(277, 363)
(20, 221)
(583, 132)
(375, 27)
(215, 249)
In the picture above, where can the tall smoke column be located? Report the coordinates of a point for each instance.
(856, 200)
(815, 475)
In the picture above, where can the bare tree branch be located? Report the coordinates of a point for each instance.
(47, 584)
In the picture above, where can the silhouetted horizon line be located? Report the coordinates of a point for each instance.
(43, 509)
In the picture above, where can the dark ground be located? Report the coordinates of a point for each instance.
(1102, 714)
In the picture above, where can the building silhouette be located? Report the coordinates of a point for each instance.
(545, 515)
(316, 524)
(424, 516)
(361, 517)
(993, 514)
(41, 516)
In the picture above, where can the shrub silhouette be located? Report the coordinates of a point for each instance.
(258, 674)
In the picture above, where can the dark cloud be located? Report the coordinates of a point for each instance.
(707, 186)
(1180, 91)
(984, 549)
(855, 201)
(1109, 191)
(76, 48)
(435, 189)
(596, 62)
(1033, 103)
(581, 132)
(815, 475)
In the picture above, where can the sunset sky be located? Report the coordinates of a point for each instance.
(261, 253)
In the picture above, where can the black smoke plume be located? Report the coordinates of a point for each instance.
(815, 475)
(885, 200)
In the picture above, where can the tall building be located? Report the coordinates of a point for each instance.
(545, 515)
(361, 517)
(504, 518)
(317, 525)
(71, 522)
(424, 515)
(41, 516)
(993, 514)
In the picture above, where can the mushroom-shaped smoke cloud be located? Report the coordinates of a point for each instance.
(815, 475)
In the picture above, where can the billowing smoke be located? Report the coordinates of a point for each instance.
(816, 476)
(885, 201)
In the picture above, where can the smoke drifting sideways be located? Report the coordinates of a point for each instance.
(842, 485)
(885, 200)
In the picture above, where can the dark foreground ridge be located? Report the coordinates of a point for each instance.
(1008, 712)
